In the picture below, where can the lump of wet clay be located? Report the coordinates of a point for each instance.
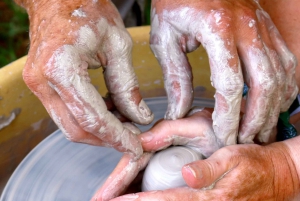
(164, 168)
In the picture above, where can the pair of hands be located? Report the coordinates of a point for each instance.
(68, 37)
(237, 172)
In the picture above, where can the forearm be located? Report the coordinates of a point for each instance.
(293, 146)
(285, 157)
(286, 168)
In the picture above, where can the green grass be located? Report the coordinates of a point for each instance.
(14, 26)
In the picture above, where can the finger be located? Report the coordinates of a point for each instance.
(135, 130)
(175, 66)
(266, 135)
(206, 173)
(194, 131)
(67, 75)
(176, 194)
(120, 116)
(287, 59)
(226, 76)
(109, 102)
(56, 108)
(121, 80)
(112, 108)
(135, 185)
(261, 79)
(121, 177)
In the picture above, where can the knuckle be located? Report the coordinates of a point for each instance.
(30, 78)
(234, 86)
(49, 72)
(155, 39)
(54, 75)
(63, 63)
(291, 63)
(266, 84)
(90, 123)
(159, 46)
(123, 42)
(222, 19)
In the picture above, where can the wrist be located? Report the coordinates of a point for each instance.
(286, 169)
(293, 148)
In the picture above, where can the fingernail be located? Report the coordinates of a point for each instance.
(145, 111)
(194, 170)
(147, 137)
(129, 197)
(190, 170)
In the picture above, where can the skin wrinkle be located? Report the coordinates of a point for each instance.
(279, 191)
(291, 169)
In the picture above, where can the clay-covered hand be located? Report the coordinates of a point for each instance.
(122, 176)
(237, 172)
(67, 39)
(124, 173)
(243, 45)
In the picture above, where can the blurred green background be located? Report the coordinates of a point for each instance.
(14, 37)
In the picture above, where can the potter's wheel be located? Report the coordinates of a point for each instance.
(60, 170)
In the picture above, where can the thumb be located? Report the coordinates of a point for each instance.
(206, 173)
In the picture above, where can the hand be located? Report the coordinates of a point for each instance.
(238, 172)
(67, 38)
(243, 45)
